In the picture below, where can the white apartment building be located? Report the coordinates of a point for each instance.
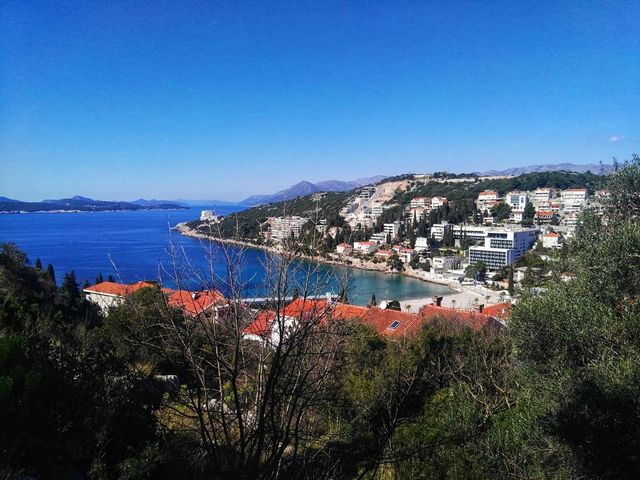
(503, 246)
(378, 238)
(444, 264)
(438, 230)
(573, 199)
(393, 229)
(367, 192)
(487, 199)
(472, 232)
(420, 202)
(283, 227)
(542, 196)
(422, 243)
(517, 200)
(437, 202)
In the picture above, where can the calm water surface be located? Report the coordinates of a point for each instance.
(137, 243)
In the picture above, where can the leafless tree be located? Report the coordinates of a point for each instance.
(256, 403)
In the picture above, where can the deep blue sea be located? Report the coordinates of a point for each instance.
(135, 245)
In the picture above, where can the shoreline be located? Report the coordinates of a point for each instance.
(463, 297)
(189, 232)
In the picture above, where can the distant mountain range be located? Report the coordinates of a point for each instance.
(567, 167)
(79, 203)
(306, 188)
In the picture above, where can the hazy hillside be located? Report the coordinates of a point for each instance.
(306, 188)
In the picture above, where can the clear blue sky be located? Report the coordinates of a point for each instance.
(118, 100)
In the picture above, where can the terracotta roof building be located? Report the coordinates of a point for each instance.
(110, 294)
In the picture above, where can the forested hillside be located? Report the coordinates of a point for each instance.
(246, 224)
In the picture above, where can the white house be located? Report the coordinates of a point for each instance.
(437, 202)
(208, 216)
(365, 247)
(552, 240)
(487, 199)
(406, 254)
(344, 249)
(422, 243)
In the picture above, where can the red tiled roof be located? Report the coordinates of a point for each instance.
(380, 320)
(300, 308)
(456, 317)
(262, 324)
(551, 235)
(384, 252)
(499, 310)
(305, 307)
(117, 289)
(194, 303)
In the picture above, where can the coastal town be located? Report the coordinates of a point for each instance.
(507, 241)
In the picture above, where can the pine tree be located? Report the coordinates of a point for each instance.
(373, 302)
(70, 285)
(110, 278)
(99, 278)
(51, 274)
(38, 264)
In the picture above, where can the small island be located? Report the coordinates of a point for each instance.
(81, 204)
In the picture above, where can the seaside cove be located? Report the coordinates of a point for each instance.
(134, 245)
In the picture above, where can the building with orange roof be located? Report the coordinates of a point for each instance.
(269, 325)
(206, 302)
(344, 249)
(111, 294)
(501, 311)
(552, 240)
(544, 216)
(365, 247)
(474, 319)
(387, 322)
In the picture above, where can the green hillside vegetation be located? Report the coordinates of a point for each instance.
(247, 224)
(466, 191)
